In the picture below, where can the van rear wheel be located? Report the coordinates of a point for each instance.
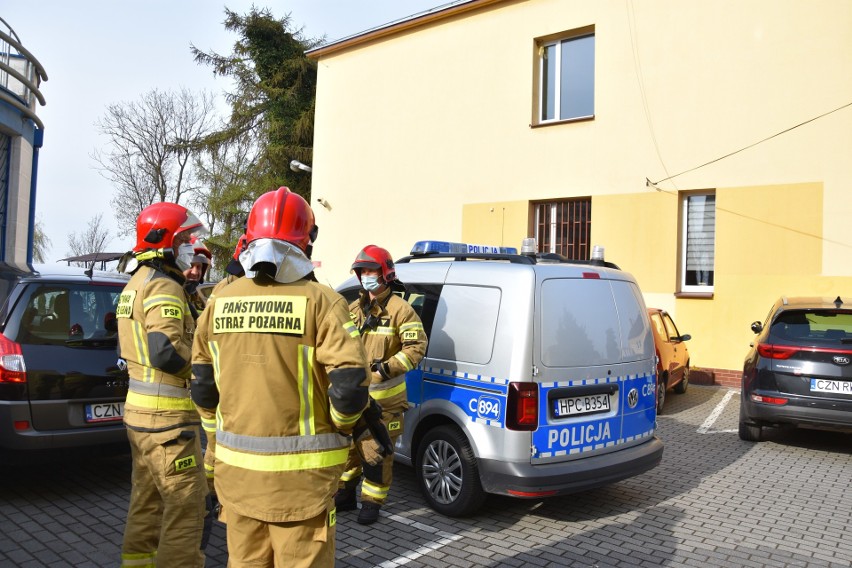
(447, 473)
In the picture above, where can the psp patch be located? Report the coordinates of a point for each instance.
(332, 517)
(392, 426)
(182, 464)
(125, 304)
(171, 312)
(260, 314)
(409, 336)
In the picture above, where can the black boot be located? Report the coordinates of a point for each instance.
(344, 500)
(369, 513)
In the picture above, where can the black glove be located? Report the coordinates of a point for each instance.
(373, 417)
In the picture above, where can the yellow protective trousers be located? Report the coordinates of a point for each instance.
(377, 475)
(166, 515)
(298, 544)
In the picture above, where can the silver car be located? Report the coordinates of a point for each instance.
(539, 379)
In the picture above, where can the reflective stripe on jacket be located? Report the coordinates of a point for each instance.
(274, 351)
(155, 331)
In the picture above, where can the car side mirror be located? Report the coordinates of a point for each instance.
(756, 327)
(685, 337)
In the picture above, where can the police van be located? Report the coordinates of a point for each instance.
(539, 378)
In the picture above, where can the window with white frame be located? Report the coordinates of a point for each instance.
(698, 242)
(566, 77)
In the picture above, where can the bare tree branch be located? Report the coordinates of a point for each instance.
(91, 241)
(150, 150)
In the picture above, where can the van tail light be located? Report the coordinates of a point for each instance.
(522, 406)
(12, 367)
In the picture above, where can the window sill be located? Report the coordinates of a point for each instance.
(565, 121)
(694, 295)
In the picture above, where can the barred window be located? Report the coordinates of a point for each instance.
(563, 227)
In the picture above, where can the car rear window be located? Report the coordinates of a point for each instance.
(592, 322)
(819, 326)
(57, 313)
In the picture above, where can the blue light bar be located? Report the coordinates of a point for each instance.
(426, 247)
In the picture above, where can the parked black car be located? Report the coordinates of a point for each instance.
(799, 369)
(60, 385)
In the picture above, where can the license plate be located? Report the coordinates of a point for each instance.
(835, 387)
(576, 405)
(107, 412)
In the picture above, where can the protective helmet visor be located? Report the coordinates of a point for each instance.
(192, 227)
(290, 261)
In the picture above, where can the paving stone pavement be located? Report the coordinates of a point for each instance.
(713, 501)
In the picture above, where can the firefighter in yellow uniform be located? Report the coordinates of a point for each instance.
(199, 266)
(168, 500)
(395, 342)
(279, 358)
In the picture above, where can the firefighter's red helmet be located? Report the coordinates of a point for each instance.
(376, 258)
(158, 224)
(241, 246)
(199, 248)
(282, 215)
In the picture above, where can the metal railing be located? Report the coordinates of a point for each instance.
(20, 74)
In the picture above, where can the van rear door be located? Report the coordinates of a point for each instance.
(595, 367)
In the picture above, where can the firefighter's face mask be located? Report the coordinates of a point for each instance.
(183, 256)
(370, 282)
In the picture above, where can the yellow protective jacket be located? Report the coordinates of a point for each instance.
(395, 342)
(155, 339)
(285, 368)
(208, 415)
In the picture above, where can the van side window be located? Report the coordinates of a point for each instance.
(424, 299)
(465, 324)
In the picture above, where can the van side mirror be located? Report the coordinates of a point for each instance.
(756, 326)
(685, 337)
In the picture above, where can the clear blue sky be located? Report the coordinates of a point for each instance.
(100, 52)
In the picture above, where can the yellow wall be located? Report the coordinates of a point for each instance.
(420, 134)
(768, 244)
(498, 224)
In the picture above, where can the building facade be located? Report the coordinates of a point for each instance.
(704, 144)
(21, 135)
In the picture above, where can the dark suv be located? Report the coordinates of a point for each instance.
(60, 386)
(799, 370)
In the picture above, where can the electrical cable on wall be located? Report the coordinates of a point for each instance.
(650, 183)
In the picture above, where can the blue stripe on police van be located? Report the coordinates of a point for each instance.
(598, 381)
(592, 447)
(465, 375)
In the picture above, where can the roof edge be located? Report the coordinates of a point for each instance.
(435, 14)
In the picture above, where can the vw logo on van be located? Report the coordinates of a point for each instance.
(841, 359)
(632, 398)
